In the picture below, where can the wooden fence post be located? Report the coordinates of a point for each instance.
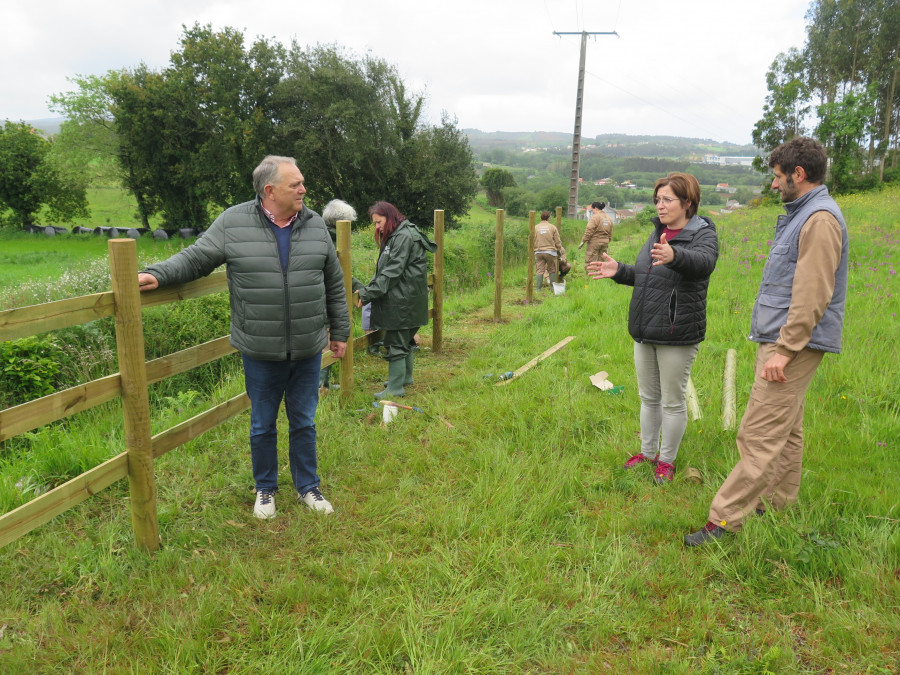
(559, 219)
(343, 250)
(437, 326)
(498, 265)
(729, 405)
(135, 399)
(529, 283)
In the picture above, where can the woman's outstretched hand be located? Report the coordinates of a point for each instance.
(602, 269)
(662, 252)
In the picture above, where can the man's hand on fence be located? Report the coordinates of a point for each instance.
(338, 348)
(147, 282)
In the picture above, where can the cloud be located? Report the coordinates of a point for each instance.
(691, 69)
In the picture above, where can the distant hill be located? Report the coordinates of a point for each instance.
(615, 145)
(48, 125)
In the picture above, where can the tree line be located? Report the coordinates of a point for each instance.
(184, 139)
(842, 87)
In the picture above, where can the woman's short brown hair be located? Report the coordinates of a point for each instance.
(685, 187)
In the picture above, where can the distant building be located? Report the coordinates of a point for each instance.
(728, 161)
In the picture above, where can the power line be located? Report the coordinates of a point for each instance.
(693, 123)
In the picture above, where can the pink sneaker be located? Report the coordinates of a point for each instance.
(637, 459)
(664, 472)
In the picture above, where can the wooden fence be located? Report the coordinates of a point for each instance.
(125, 303)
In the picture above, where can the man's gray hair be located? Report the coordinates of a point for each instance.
(336, 210)
(265, 173)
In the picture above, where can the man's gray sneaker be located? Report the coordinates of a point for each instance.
(265, 504)
(315, 501)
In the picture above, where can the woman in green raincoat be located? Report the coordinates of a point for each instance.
(398, 292)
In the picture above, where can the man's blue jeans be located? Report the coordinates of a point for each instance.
(267, 383)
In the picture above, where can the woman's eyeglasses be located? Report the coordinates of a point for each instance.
(665, 200)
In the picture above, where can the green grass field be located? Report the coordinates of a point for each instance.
(512, 542)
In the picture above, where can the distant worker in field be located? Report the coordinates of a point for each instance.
(798, 317)
(597, 234)
(548, 251)
(398, 292)
(667, 314)
(286, 291)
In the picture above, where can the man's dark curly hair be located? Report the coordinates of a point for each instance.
(801, 151)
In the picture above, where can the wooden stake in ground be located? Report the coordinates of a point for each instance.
(692, 400)
(729, 412)
(537, 359)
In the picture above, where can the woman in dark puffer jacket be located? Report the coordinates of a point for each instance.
(667, 314)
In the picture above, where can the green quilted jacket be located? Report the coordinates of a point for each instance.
(276, 315)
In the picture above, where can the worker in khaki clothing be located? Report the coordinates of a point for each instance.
(548, 249)
(597, 234)
(798, 316)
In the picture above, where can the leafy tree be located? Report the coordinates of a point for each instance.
(850, 58)
(358, 136)
(843, 125)
(87, 141)
(494, 181)
(190, 135)
(516, 201)
(786, 106)
(437, 173)
(550, 198)
(30, 179)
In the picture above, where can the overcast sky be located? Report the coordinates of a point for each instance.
(691, 68)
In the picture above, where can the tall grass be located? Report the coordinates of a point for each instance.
(512, 542)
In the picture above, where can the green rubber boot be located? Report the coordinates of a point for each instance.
(538, 281)
(408, 380)
(553, 278)
(396, 375)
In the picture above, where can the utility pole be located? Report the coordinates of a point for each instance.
(576, 138)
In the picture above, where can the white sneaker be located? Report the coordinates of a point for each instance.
(315, 501)
(265, 504)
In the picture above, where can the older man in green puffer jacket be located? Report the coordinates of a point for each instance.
(286, 292)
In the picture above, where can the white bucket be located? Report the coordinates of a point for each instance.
(388, 413)
(559, 288)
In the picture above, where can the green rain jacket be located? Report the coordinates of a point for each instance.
(399, 290)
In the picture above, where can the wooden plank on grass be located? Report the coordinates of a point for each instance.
(197, 425)
(40, 510)
(537, 359)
